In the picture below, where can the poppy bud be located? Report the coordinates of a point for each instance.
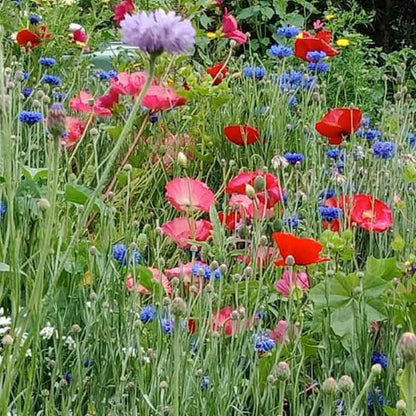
(7, 340)
(407, 347)
(250, 192)
(182, 159)
(345, 384)
(290, 260)
(56, 120)
(329, 386)
(43, 204)
(376, 369)
(282, 371)
(259, 183)
(401, 406)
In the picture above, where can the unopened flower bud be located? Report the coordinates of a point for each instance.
(345, 384)
(329, 386)
(407, 347)
(178, 307)
(376, 369)
(282, 371)
(76, 328)
(56, 120)
(234, 316)
(163, 385)
(290, 260)
(271, 379)
(43, 204)
(182, 159)
(7, 340)
(250, 191)
(223, 268)
(401, 406)
(93, 250)
(127, 167)
(259, 183)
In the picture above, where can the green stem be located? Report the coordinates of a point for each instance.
(362, 392)
(410, 386)
(177, 367)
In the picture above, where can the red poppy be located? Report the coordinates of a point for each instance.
(230, 29)
(192, 325)
(230, 220)
(370, 213)
(121, 9)
(304, 250)
(221, 320)
(79, 36)
(271, 193)
(325, 35)
(241, 134)
(218, 72)
(339, 123)
(308, 44)
(159, 97)
(30, 39)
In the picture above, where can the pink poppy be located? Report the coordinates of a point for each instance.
(174, 145)
(271, 193)
(121, 9)
(128, 84)
(75, 128)
(264, 256)
(107, 101)
(189, 194)
(158, 276)
(230, 29)
(183, 271)
(221, 321)
(281, 333)
(181, 229)
(291, 280)
(79, 36)
(82, 104)
(160, 98)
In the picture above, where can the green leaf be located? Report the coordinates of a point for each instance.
(249, 12)
(218, 233)
(4, 267)
(79, 194)
(34, 174)
(114, 131)
(342, 319)
(409, 173)
(386, 269)
(293, 19)
(280, 7)
(389, 411)
(268, 12)
(398, 243)
(145, 278)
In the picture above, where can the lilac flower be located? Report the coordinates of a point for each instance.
(158, 31)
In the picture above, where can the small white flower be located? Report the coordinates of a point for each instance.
(69, 342)
(47, 332)
(5, 321)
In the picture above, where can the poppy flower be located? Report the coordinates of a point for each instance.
(291, 280)
(230, 29)
(339, 123)
(241, 134)
(218, 72)
(82, 104)
(264, 255)
(307, 44)
(189, 194)
(75, 129)
(325, 35)
(160, 98)
(31, 39)
(121, 9)
(182, 229)
(128, 84)
(230, 220)
(183, 271)
(157, 276)
(281, 333)
(370, 213)
(304, 250)
(269, 194)
(173, 146)
(221, 321)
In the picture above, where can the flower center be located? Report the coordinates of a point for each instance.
(368, 215)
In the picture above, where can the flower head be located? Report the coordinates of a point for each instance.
(379, 358)
(205, 382)
(182, 229)
(147, 314)
(3, 209)
(218, 72)
(56, 120)
(319, 67)
(315, 56)
(280, 51)
(34, 19)
(203, 270)
(241, 134)
(384, 150)
(120, 253)
(288, 31)
(263, 343)
(30, 117)
(291, 280)
(294, 158)
(48, 62)
(230, 29)
(167, 325)
(342, 42)
(257, 72)
(158, 31)
(123, 8)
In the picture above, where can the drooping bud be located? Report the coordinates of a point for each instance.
(407, 347)
(250, 191)
(56, 121)
(376, 369)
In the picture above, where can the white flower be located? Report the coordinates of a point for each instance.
(47, 332)
(69, 342)
(5, 321)
(75, 26)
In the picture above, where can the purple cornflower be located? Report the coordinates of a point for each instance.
(294, 158)
(27, 92)
(45, 61)
(30, 117)
(315, 56)
(379, 358)
(167, 325)
(263, 343)
(158, 31)
(288, 31)
(384, 150)
(147, 314)
(34, 19)
(280, 51)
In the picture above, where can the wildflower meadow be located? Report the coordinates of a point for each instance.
(207, 207)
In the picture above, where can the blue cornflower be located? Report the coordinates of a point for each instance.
(259, 315)
(89, 362)
(34, 19)
(308, 83)
(292, 221)
(290, 80)
(147, 314)
(329, 213)
(371, 134)
(334, 154)
(263, 343)
(315, 56)
(293, 101)
(154, 118)
(412, 139)
(30, 117)
(27, 92)
(319, 67)
(288, 31)
(59, 96)
(280, 51)
(51, 79)
(205, 382)
(68, 377)
(294, 158)
(370, 399)
(3, 209)
(384, 150)
(365, 122)
(167, 325)
(326, 194)
(25, 75)
(257, 72)
(199, 268)
(102, 75)
(379, 358)
(112, 74)
(120, 254)
(340, 166)
(47, 61)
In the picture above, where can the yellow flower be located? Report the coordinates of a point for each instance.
(343, 42)
(87, 279)
(211, 35)
(330, 16)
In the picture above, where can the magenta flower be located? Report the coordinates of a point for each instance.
(280, 335)
(158, 31)
(290, 281)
